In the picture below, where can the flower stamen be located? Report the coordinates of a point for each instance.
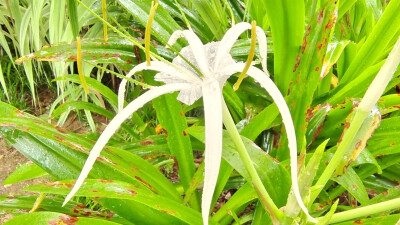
(79, 64)
(148, 30)
(104, 12)
(249, 57)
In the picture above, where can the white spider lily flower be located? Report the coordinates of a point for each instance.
(216, 65)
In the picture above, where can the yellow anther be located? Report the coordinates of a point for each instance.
(79, 62)
(249, 57)
(37, 202)
(148, 31)
(334, 81)
(158, 129)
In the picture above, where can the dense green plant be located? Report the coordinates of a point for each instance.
(330, 59)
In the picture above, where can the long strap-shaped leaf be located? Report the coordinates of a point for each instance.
(114, 126)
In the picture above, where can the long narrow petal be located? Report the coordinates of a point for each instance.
(114, 125)
(232, 35)
(213, 148)
(196, 45)
(279, 100)
(180, 74)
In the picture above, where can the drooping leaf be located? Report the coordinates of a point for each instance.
(17, 205)
(24, 172)
(40, 218)
(121, 190)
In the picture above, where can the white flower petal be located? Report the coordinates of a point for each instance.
(232, 35)
(280, 102)
(180, 75)
(197, 48)
(190, 94)
(262, 47)
(114, 125)
(212, 97)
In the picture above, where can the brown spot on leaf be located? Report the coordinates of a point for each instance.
(68, 220)
(106, 181)
(73, 58)
(358, 222)
(59, 129)
(320, 16)
(80, 206)
(298, 59)
(145, 143)
(317, 131)
(58, 184)
(358, 144)
(60, 139)
(53, 222)
(144, 182)
(132, 192)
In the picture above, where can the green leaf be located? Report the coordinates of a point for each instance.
(116, 50)
(325, 220)
(68, 151)
(163, 25)
(392, 219)
(214, 15)
(172, 118)
(261, 122)
(73, 17)
(334, 123)
(360, 139)
(149, 147)
(308, 69)
(40, 218)
(199, 26)
(272, 174)
(386, 138)
(17, 205)
(92, 108)
(374, 47)
(24, 172)
(286, 19)
(354, 185)
(306, 178)
(238, 201)
(235, 105)
(316, 117)
(121, 190)
(389, 194)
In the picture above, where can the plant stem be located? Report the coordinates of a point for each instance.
(365, 211)
(374, 92)
(355, 125)
(269, 205)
